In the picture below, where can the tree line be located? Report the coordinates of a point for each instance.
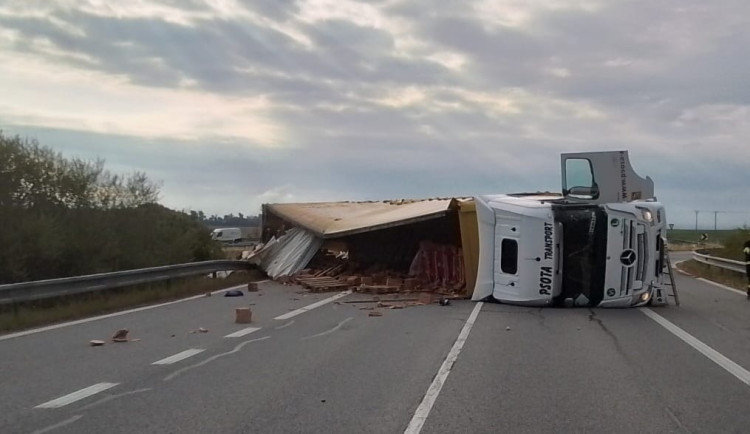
(63, 217)
(225, 220)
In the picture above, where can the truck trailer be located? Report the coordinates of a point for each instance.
(602, 242)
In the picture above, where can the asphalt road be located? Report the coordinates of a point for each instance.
(334, 369)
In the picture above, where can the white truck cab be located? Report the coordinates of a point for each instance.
(600, 243)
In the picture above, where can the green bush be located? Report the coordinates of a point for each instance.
(734, 243)
(68, 217)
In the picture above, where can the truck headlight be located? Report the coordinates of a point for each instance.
(645, 296)
(647, 215)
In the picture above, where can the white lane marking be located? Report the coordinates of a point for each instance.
(420, 416)
(738, 371)
(328, 332)
(721, 286)
(77, 396)
(285, 325)
(58, 425)
(111, 397)
(212, 358)
(242, 332)
(313, 306)
(109, 315)
(179, 356)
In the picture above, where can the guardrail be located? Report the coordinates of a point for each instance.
(727, 264)
(41, 289)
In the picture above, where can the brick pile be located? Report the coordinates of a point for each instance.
(436, 272)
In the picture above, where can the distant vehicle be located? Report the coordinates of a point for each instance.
(227, 235)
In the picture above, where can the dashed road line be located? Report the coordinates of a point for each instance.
(728, 365)
(179, 356)
(420, 415)
(312, 306)
(242, 332)
(212, 358)
(328, 332)
(77, 396)
(111, 397)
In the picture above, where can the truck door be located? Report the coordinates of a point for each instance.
(603, 177)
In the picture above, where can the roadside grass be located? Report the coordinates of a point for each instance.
(44, 312)
(693, 236)
(715, 274)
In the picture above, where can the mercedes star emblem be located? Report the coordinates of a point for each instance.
(628, 257)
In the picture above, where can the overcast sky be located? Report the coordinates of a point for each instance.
(235, 103)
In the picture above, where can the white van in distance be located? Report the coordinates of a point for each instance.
(227, 235)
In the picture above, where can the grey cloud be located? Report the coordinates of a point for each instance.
(158, 53)
(277, 9)
(671, 63)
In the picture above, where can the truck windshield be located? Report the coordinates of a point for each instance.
(584, 252)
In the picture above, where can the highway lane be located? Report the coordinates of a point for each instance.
(578, 371)
(335, 369)
(718, 317)
(38, 367)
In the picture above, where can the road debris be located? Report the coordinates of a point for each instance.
(122, 336)
(243, 315)
(96, 343)
(507, 328)
(199, 330)
(435, 270)
(375, 313)
(234, 293)
(444, 302)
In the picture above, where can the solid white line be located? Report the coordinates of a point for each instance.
(77, 396)
(242, 332)
(212, 358)
(420, 416)
(313, 306)
(721, 286)
(179, 356)
(328, 332)
(738, 371)
(109, 315)
(58, 425)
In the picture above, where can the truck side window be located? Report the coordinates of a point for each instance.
(509, 256)
(579, 178)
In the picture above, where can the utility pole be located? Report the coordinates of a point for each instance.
(696, 220)
(715, 214)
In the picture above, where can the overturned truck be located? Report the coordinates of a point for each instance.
(602, 242)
